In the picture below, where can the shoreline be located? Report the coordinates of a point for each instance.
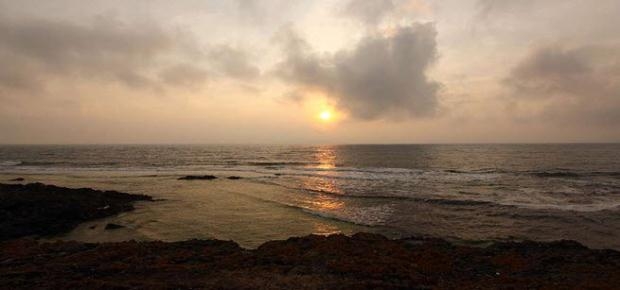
(362, 260)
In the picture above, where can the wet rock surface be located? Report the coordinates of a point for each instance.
(38, 209)
(198, 177)
(362, 261)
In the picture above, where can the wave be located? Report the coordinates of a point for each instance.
(441, 201)
(68, 164)
(396, 197)
(338, 194)
(403, 171)
(476, 171)
(10, 163)
(39, 163)
(550, 173)
(572, 174)
(606, 173)
(380, 170)
(469, 199)
(485, 203)
(391, 175)
(329, 216)
(281, 163)
(458, 202)
(555, 174)
(357, 219)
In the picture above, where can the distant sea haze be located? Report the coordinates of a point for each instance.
(459, 192)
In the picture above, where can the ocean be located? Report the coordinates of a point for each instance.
(463, 193)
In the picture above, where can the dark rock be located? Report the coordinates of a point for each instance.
(362, 261)
(17, 179)
(198, 177)
(111, 226)
(234, 177)
(40, 210)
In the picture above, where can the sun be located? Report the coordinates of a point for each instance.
(325, 115)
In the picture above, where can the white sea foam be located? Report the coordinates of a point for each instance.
(8, 163)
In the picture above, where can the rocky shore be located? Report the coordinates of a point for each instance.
(37, 209)
(361, 261)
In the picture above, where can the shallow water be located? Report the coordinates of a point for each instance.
(541, 192)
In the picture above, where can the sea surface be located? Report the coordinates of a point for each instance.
(465, 193)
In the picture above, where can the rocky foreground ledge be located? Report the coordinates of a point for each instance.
(37, 209)
(362, 261)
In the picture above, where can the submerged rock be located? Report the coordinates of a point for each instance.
(17, 179)
(112, 226)
(39, 209)
(198, 177)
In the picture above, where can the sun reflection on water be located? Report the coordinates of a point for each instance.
(325, 229)
(316, 184)
(326, 158)
(325, 199)
(323, 202)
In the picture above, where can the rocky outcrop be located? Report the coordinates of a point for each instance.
(362, 261)
(37, 209)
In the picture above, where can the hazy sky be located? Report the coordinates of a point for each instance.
(252, 71)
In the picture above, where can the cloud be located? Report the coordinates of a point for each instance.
(374, 13)
(36, 52)
(566, 16)
(579, 84)
(551, 70)
(233, 62)
(104, 50)
(488, 7)
(184, 75)
(250, 11)
(383, 76)
(370, 12)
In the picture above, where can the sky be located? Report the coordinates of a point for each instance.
(309, 72)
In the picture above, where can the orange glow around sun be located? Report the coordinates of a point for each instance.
(321, 111)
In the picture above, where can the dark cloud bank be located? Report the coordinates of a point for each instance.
(380, 77)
